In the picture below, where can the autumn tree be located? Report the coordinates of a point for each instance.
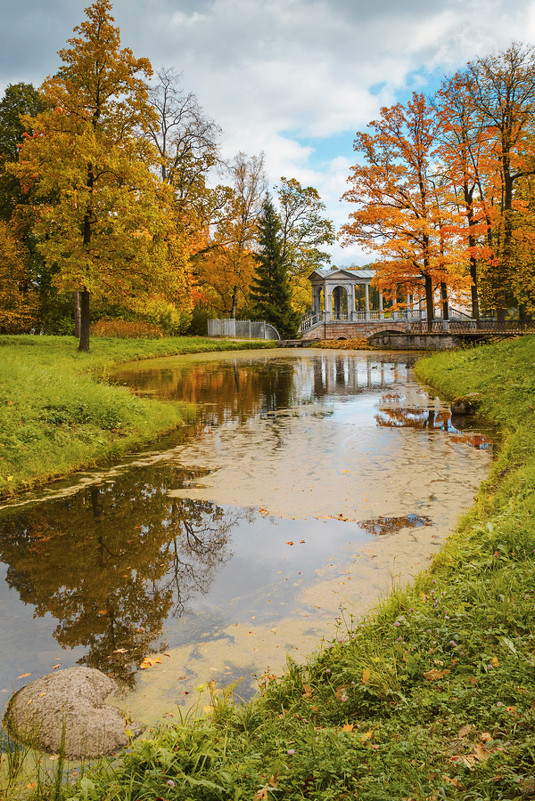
(502, 89)
(306, 231)
(106, 230)
(395, 188)
(270, 292)
(236, 232)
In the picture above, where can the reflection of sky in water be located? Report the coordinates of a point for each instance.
(126, 564)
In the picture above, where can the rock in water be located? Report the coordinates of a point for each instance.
(67, 704)
(466, 404)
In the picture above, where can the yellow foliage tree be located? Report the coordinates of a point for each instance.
(103, 214)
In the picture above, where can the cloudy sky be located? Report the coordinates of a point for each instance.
(292, 78)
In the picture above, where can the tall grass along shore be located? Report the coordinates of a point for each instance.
(57, 414)
(431, 697)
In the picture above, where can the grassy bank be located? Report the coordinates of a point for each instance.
(57, 416)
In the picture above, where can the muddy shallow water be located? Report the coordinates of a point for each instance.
(313, 482)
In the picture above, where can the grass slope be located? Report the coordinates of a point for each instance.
(57, 416)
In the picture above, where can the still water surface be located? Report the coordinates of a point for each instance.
(311, 483)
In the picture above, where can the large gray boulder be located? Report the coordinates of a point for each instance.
(67, 704)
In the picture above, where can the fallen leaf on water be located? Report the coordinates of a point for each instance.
(57, 666)
(301, 542)
(289, 543)
(149, 662)
(23, 675)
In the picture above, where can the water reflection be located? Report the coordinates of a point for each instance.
(430, 419)
(121, 561)
(114, 561)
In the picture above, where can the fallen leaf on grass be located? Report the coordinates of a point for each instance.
(465, 730)
(468, 761)
(434, 675)
(348, 727)
(454, 782)
(481, 753)
(366, 673)
(308, 691)
(494, 661)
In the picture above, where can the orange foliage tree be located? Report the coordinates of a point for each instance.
(402, 213)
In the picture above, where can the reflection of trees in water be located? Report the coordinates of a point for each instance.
(228, 390)
(403, 417)
(432, 420)
(112, 562)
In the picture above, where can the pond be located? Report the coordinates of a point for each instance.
(312, 482)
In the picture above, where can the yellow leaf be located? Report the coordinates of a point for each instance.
(23, 675)
(53, 757)
(348, 727)
(434, 675)
(366, 673)
(9, 478)
(366, 736)
(494, 661)
(481, 753)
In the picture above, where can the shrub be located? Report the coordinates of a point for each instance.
(126, 329)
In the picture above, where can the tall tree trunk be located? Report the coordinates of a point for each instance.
(444, 301)
(84, 321)
(234, 307)
(77, 313)
(430, 313)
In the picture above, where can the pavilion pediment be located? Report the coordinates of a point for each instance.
(347, 276)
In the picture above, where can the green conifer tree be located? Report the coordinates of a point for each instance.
(270, 292)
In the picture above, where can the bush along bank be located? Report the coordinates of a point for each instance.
(431, 697)
(57, 414)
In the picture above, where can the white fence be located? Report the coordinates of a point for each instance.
(242, 329)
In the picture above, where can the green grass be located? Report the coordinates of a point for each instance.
(431, 697)
(57, 414)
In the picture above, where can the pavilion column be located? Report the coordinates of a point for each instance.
(381, 309)
(367, 300)
(327, 301)
(351, 303)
